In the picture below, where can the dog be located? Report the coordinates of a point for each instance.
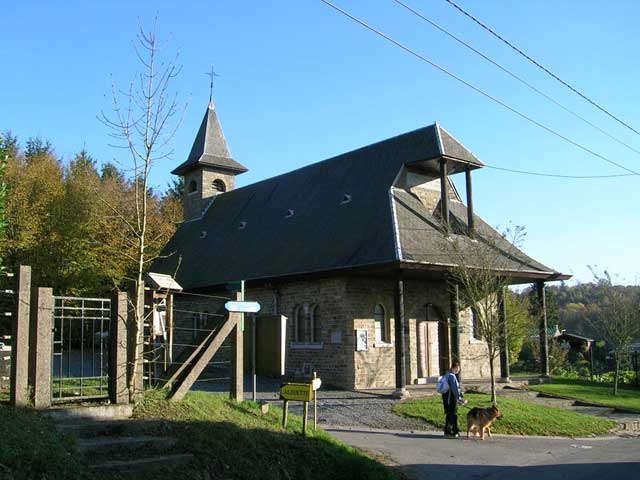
(480, 420)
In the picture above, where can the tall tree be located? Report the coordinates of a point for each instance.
(482, 288)
(4, 160)
(143, 123)
(618, 321)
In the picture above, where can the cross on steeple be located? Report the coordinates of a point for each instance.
(211, 75)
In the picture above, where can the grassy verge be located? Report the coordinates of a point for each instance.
(228, 440)
(236, 441)
(520, 418)
(31, 448)
(591, 392)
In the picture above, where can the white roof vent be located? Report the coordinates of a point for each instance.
(242, 225)
(289, 213)
(346, 198)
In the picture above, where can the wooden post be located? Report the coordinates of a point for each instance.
(41, 343)
(305, 414)
(315, 406)
(503, 339)
(544, 344)
(170, 327)
(444, 195)
(399, 321)
(285, 413)
(471, 229)
(237, 366)
(19, 382)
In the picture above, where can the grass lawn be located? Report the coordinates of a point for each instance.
(229, 440)
(591, 392)
(520, 418)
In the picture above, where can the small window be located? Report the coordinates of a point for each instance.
(289, 214)
(242, 225)
(381, 324)
(198, 322)
(193, 186)
(475, 325)
(219, 186)
(346, 198)
(203, 234)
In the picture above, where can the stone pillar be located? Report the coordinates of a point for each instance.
(236, 385)
(40, 348)
(444, 345)
(118, 393)
(503, 336)
(455, 325)
(19, 382)
(400, 340)
(544, 343)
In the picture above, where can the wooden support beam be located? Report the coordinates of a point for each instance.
(544, 342)
(471, 229)
(444, 195)
(399, 327)
(455, 325)
(205, 357)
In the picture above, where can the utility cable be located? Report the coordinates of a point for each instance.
(537, 64)
(477, 89)
(515, 76)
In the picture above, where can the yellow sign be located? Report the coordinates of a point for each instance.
(301, 392)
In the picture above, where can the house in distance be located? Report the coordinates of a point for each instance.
(355, 251)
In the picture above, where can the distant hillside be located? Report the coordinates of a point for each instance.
(572, 307)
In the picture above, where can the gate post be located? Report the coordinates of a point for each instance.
(118, 393)
(40, 348)
(19, 386)
(237, 357)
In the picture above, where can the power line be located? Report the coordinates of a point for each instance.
(546, 70)
(477, 89)
(542, 174)
(513, 75)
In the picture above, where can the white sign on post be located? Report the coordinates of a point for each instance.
(242, 307)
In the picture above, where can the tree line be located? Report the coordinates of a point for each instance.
(66, 219)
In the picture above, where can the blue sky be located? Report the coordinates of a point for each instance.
(300, 83)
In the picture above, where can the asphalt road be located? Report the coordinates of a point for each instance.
(427, 455)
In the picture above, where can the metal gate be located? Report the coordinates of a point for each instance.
(80, 348)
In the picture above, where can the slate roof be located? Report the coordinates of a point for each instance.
(210, 148)
(335, 214)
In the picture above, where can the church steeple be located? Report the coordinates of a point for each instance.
(209, 169)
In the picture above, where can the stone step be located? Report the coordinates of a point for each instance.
(113, 447)
(143, 463)
(101, 428)
(101, 412)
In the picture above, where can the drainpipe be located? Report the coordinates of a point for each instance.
(444, 195)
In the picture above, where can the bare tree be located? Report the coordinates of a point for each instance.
(143, 122)
(480, 273)
(618, 321)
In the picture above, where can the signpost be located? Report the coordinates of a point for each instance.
(300, 392)
(253, 308)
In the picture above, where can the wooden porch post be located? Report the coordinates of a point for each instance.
(470, 221)
(544, 344)
(399, 324)
(504, 339)
(444, 195)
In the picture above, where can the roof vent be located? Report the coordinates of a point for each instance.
(289, 214)
(346, 198)
(242, 225)
(203, 234)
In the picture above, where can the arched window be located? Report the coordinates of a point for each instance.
(307, 324)
(381, 324)
(193, 186)
(219, 186)
(475, 325)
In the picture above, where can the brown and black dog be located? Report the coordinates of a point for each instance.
(480, 420)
